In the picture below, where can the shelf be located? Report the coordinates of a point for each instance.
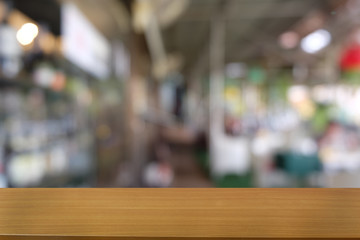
(179, 213)
(4, 82)
(18, 83)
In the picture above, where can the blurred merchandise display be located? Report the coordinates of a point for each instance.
(46, 123)
(46, 138)
(10, 51)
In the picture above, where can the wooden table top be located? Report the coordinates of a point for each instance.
(178, 213)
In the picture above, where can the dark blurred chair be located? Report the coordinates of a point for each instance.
(298, 165)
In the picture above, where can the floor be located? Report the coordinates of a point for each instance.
(187, 172)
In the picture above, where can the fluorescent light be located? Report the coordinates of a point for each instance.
(316, 41)
(27, 33)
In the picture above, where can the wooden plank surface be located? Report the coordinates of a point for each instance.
(153, 213)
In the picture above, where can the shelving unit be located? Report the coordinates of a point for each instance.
(57, 141)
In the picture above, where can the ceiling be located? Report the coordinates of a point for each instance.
(252, 27)
(110, 17)
(251, 32)
(44, 12)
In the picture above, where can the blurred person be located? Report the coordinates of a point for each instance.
(339, 148)
(159, 172)
(232, 126)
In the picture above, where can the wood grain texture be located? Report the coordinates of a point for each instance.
(178, 213)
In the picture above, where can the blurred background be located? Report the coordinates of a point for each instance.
(190, 93)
